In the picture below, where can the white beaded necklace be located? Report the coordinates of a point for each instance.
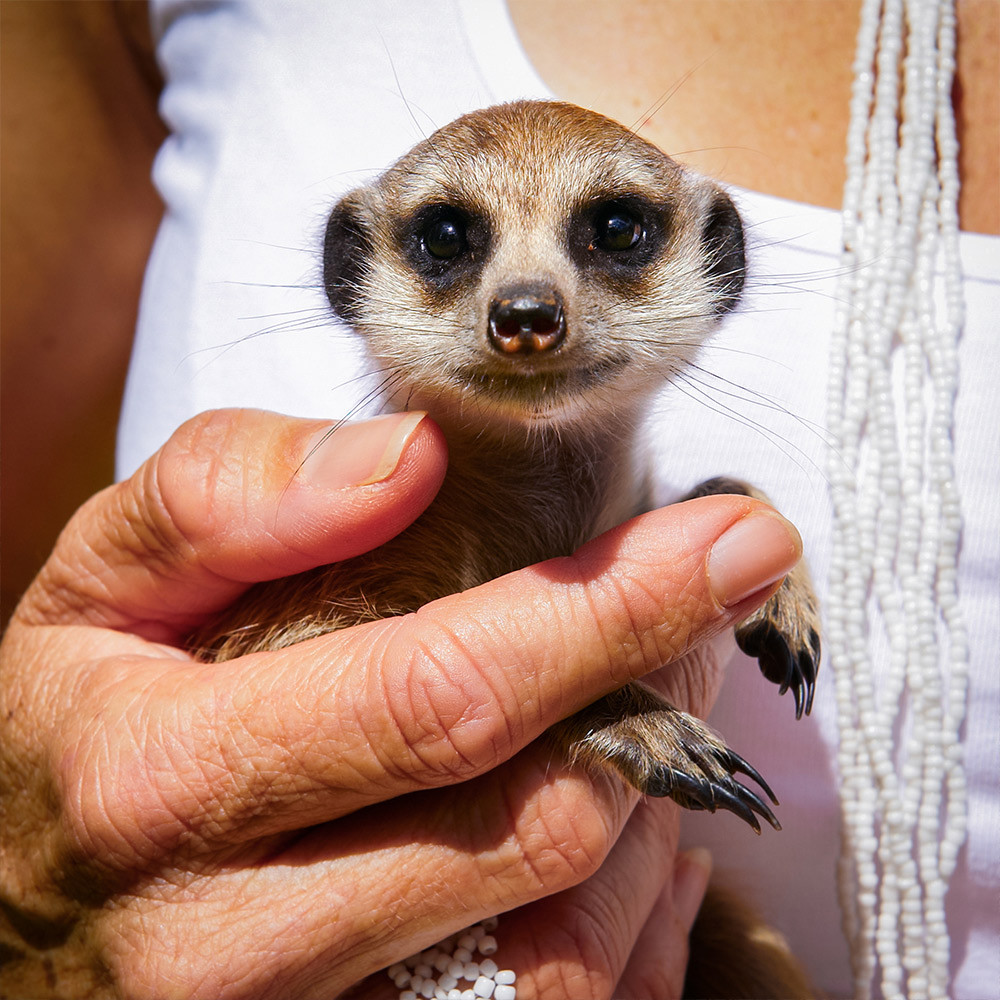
(893, 378)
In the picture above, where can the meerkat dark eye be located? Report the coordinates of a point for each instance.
(616, 228)
(443, 243)
(617, 237)
(445, 238)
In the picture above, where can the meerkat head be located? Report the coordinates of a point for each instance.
(533, 263)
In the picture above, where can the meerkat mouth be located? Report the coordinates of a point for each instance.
(539, 388)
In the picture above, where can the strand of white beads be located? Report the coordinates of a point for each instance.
(436, 974)
(893, 379)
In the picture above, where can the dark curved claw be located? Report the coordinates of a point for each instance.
(735, 764)
(809, 660)
(806, 666)
(799, 705)
(745, 804)
(668, 782)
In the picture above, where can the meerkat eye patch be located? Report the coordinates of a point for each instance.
(617, 236)
(444, 242)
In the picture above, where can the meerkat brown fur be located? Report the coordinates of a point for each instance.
(530, 275)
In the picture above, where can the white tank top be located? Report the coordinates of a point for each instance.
(277, 109)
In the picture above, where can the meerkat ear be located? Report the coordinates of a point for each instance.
(347, 250)
(725, 251)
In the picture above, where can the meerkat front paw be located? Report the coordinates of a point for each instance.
(663, 752)
(783, 635)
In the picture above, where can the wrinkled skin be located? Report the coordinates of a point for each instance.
(290, 822)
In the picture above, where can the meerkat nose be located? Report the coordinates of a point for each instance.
(526, 320)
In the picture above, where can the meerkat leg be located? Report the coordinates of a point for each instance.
(783, 635)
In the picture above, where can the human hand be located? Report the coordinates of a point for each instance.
(287, 823)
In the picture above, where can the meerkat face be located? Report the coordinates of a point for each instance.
(533, 263)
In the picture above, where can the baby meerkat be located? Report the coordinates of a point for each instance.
(530, 275)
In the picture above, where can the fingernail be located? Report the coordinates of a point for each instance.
(692, 870)
(755, 552)
(359, 454)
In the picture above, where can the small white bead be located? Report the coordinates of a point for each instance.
(468, 942)
(423, 970)
(448, 981)
(456, 969)
(491, 923)
(488, 944)
(483, 987)
(407, 995)
(505, 993)
(477, 931)
(488, 967)
(471, 971)
(441, 961)
(428, 989)
(505, 977)
(463, 954)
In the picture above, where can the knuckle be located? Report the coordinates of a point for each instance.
(640, 622)
(202, 463)
(449, 717)
(572, 961)
(568, 829)
(97, 811)
(128, 789)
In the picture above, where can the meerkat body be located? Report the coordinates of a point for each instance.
(531, 275)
